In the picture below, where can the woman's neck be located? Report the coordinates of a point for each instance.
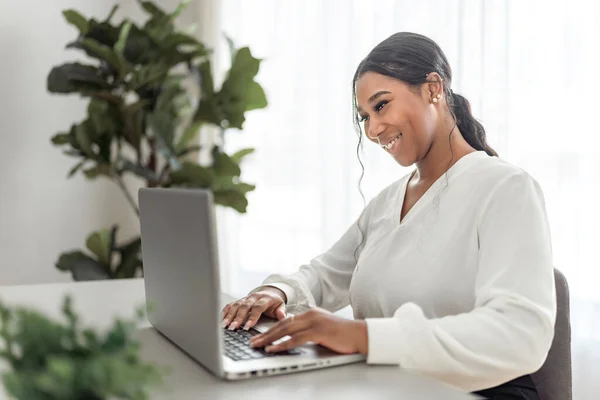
(442, 155)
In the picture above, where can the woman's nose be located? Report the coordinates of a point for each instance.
(374, 131)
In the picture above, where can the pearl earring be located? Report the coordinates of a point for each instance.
(436, 98)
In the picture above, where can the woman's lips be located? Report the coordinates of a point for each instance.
(391, 144)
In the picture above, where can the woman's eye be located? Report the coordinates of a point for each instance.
(380, 105)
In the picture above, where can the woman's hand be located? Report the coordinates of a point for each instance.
(269, 301)
(318, 326)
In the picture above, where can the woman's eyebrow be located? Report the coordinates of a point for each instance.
(374, 97)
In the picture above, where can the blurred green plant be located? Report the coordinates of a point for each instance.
(142, 120)
(53, 360)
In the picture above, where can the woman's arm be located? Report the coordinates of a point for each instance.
(509, 332)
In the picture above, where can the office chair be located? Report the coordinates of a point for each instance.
(554, 380)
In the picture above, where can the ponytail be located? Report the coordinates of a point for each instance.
(472, 131)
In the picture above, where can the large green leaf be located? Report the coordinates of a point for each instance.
(224, 165)
(106, 53)
(208, 110)
(123, 35)
(139, 48)
(82, 266)
(179, 39)
(75, 77)
(130, 259)
(104, 143)
(229, 192)
(152, 8)
(85, 137)
(180, 7)
(226, 183)
(163, 127)
(89, 271)
(102, 118)
(159, 28)
(174, 56)
(239, 93)
(112, 98)
(231, 198)
(189, 135)
(76, 19)
(255, 97)
(133, 115)
(98, 170)
(59, 377)
(60, 138)
(173, 99)
(99, 243)
(188, 150)
(191, 174)
(148, 74)
(207, 87)
(140, 170)
(103, 33)
(244, 65)
(239, 155)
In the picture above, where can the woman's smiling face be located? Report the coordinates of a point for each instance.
(397, 116)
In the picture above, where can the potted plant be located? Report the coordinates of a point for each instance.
(61, 360)
(143, 120)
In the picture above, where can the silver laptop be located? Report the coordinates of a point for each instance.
(181, 277)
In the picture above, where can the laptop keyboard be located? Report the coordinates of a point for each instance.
(237, 346)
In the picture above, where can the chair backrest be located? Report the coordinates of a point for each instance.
(554, 381)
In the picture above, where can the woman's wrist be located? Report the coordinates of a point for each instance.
(361, 337)
(277, 291)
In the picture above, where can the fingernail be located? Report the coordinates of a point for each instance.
(233, 326)
(268, 349)
(247, 326)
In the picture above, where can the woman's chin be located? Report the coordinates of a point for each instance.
(402, 159)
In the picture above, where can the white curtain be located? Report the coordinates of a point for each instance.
(529, 68)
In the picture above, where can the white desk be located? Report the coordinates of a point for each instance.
(99, 302)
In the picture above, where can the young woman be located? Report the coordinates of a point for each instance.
(449, 269)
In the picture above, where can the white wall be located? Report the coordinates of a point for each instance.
(41, 212)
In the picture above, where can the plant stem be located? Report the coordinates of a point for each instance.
(121, 184)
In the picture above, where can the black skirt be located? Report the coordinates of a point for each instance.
(518, 389)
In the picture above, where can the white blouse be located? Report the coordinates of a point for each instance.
(462, 289)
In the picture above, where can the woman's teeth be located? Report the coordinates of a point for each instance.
(390, 144)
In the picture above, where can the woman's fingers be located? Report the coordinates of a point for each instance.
(288, 326)
(230, 314)
(242, 313)
(256, 311)
(280, 312)
(298, 339)
(225, 310)
(250, 308)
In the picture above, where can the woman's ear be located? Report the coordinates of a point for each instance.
(433, 88)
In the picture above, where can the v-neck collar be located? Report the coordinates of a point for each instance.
(452, 172)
